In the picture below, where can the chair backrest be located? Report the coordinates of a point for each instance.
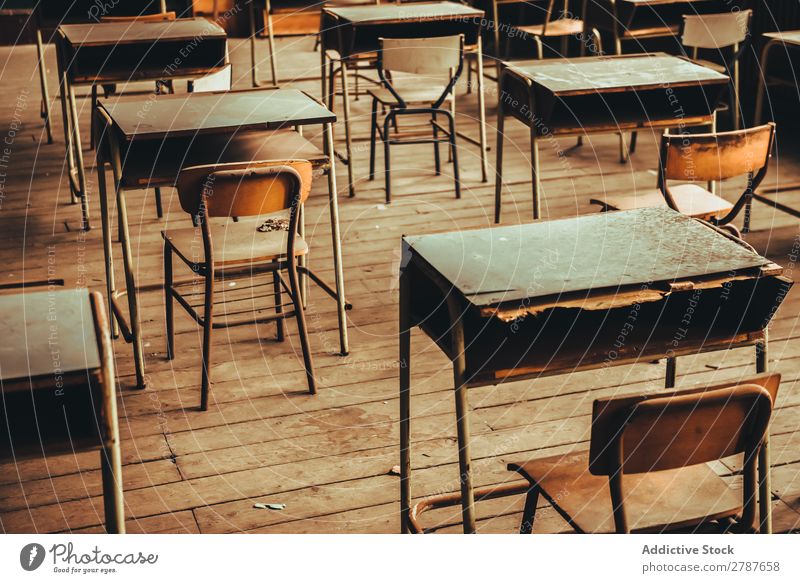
(244, 189)
(716, 156)
(219, 81)
(157, 17)
(548, 16)
(441, 57)
(663, 431)
(715, 31)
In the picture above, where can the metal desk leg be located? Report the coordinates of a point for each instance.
(76, 140)
(110, 455)
(323, 73)
(405, 401)
(130, 285)
(482, 115)
(672, 365)
(498, 170)
(43, 82)
(253, 62)
(462, 417)
(348, 141)
(762, 85)
(68, 145)
(341, 301)
(764, 482)
(535, 172)
(108, 255)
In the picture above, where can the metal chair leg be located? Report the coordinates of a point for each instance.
(529, 512)
(159, 207)
(43, 82)
(498, 184)
(454, 150)
(208, 326)
(169, 311)
(386, 161)
(280, 332)
(436, 160)
(300, 316)
(373, 128)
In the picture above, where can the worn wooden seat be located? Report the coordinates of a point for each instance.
(649, 32)
(690, 199)
(705, 158)
(679, 498)
(646, 469)
(239, 243)
(264, 191)
(560, 27)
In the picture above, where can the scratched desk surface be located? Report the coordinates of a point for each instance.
(393, 12)
(47, 333)
(614, 73)
(114, 33)
(176, 115)
(591, 252)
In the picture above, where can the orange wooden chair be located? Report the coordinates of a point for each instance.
(239, 249)
(646, 469)
(709, 157)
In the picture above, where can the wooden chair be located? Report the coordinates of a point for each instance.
(562, 27)
(265, 189)
(726, 34)
(222, 80)
(425, 59)
(646, 469)
(705, 157)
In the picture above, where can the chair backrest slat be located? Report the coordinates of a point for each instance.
(244, 189)
(422, 56)
(678, 429)
(715, 31)
(718, 156)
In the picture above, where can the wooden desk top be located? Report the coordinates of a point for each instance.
(791, 37)
(602, 251)
(47, 334)
(121, 33)
(195, 113)
(611, 74)
(392, 13)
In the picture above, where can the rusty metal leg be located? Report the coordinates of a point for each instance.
(762, 85)
(498, 180)
(110, 455)
(253, 63)
(78, 150)
(43, 84)
(130, 285)
(764, 481)
(347, 139)
(280, 333)
(65, 115)
(405, 400)
(323, 73)
(273, 61)
(108, 256)
(482, 115)
(535, 173)
(169, 312)
(462, 420)
(672, 364)
(333, 203)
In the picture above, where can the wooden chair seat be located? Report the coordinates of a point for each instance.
(692, 200)
(234, 244)
(417, 96)
(560, 27)
(678, 498)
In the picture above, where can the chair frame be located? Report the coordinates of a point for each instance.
(401, 108)
(208, 271)
(731, 64)
(608, 458)
(754, 179)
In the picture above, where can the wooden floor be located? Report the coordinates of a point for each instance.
(329, 458)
